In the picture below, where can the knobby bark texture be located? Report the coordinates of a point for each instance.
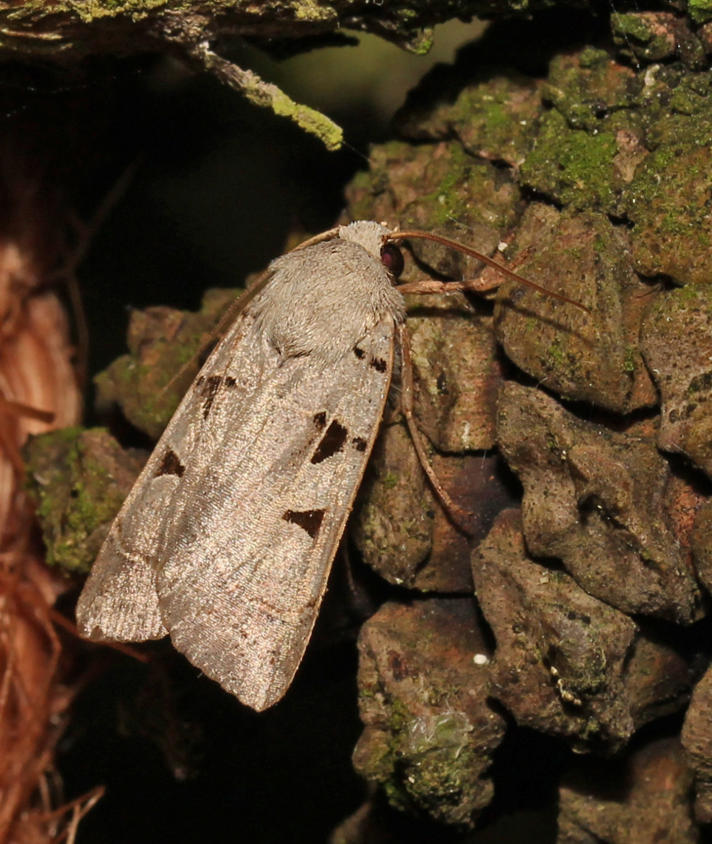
(576, 436)
(593, 178)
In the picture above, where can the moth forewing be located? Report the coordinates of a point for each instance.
(240, 594)
(233, 524)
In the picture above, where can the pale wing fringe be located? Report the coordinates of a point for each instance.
(242, 584)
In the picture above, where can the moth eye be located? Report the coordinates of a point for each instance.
(392, 259)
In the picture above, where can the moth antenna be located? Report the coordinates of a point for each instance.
(485, 259)
(329, 234)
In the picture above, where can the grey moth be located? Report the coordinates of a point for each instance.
(226, 540)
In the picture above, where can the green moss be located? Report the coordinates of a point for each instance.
(406, 15)
(399, 716)
(574, 167)
(462, 179)
(368, 185)
(396, 795)
(422, 43)
(447, 200)
(309, 119)
(425, 762)
(313, 11)
(630, 358)
(671, 213)
(700, 11)
(450, 730)
(592, 92)
(390, 480)
(591, 57)
(637, 28)
(685, 101)
(363, 180)
(89, 10)
(73, 478)
(690, 299)
(498, 115)
(556, 353)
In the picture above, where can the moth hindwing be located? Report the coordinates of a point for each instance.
(226, 540)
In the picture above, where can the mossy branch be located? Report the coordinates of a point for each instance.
(68, 30)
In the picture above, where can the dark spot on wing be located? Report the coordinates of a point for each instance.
(360, 354)
(359, 443)
(332, 442)
(170, 465)
(378, 364)
(209, 388)
(308, 520)
(320, 420)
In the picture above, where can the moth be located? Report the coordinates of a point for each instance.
(226, 540)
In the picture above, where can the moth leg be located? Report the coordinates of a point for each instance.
(482, 284)
(459, 516)
(491, 277)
